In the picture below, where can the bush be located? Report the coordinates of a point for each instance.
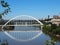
(53, 29)
(7, 28)
(46, 27)
(57, 30)
(53, 26)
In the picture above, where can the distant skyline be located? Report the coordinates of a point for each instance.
(36, 8)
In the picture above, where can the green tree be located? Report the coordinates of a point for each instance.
(50, 42)
(6, 7)
(53, 26)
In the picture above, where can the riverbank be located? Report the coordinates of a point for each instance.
(52, 30)
(7, 28)
(51, 34)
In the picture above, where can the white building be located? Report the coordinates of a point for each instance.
(56, 20)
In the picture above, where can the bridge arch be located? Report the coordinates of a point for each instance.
(20, 39)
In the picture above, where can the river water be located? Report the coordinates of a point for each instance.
(40, 40)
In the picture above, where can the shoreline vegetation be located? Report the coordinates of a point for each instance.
(7, 27)
(52, 29)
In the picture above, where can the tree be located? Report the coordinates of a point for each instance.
(7, 8)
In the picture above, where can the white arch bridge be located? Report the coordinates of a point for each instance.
(23, 21)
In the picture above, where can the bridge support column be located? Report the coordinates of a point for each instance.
(41, 27)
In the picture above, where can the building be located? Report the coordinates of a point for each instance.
(56, 17)
(56, 20)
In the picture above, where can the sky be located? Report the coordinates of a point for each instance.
(36, 8)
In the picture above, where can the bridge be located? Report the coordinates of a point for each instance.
(24, 35)
(24, 23)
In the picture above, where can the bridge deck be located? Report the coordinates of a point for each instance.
(24, 25)
(23, 31)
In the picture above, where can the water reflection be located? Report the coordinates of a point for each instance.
(40, 40)
(24, 33)
(27, 28)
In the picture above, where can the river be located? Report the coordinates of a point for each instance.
(40, 40)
